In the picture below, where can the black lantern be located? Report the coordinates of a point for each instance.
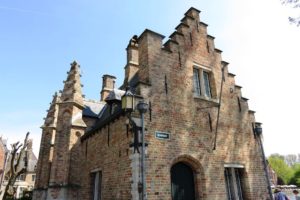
(128, 100)
(257, 128)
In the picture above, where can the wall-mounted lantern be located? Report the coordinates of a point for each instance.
(257, 129)
(128, 105)
(128, 100)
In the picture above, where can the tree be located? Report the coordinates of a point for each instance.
(17, 153)
(283, 171)
(290, 159)
(294, 4)
(295, 180)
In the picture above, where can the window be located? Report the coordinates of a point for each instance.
(33, 177)
(197, 88)
(96, 185)
(206, 84)
(201, 80)
(21, 177)
(233, 178)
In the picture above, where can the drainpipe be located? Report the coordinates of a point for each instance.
(258, 133)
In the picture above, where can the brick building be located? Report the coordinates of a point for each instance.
(199, 130)
(3, 157)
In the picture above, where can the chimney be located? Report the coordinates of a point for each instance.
(108, 84)
(132, 65)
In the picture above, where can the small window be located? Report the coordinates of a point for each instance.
(233, 180)
(197, 88)
(96, 185)
(33, 177)
(206, 84)
(201, 81)
(21, 177)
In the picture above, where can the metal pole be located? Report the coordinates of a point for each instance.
(265, 167)
(144, 193)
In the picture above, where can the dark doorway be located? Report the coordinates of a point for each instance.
(182, 180)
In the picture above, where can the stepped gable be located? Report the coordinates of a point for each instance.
(72, 88)
(50, 120)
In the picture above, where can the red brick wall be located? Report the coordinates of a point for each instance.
(113, 160)
(179, 113)
(2, 158)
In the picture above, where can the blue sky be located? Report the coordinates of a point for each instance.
(39, 39)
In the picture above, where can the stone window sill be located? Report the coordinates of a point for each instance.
(216, 101)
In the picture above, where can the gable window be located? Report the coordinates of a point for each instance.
(197, 88)
(206, 84)
(233, 178)
(201, 81)
(96, 185)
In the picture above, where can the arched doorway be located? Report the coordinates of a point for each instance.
(182, 182)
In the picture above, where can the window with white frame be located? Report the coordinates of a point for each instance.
(233, 178)
(96, 185)
(201, 81)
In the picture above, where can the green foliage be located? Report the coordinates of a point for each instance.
(286, 174)
(296, 176)
(282, 170)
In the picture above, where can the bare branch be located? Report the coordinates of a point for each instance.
(17, 153)
(294, 4)
(20, 156)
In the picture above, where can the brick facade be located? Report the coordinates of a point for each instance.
(3, 158)
(207, 133)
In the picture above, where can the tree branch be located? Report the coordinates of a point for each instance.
(25, 144)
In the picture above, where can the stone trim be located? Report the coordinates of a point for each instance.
(224, 63)
(192, 8)
(218, 50)
(234, 165)
(182, 24)
(210, 37)
(244, 99)
(151, 32)
(251, 111)
(176, 32)
(96, 170)
(231, 74)
(203, 24)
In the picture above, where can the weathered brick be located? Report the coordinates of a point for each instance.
(163, 75)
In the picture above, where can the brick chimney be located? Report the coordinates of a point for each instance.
(132, 65)
(108, 84)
